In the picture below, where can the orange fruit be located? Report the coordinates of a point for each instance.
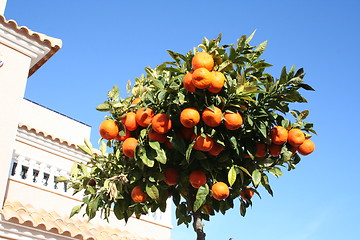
(246, 193)
(122, 138)
(130, 122)
(171, 176)
(129, 146)
(212, 118)
(201, 78)
(187, 82)
(136, 101)
(275, 149)
(260, 149)
(189, 117)
(220, 191)
(278, 135)
(161, 123)
(197, 178)
(138, 195)
(216, 149)
(202, 60)
(155, 136)
(203, 144)
(109, 129)
(296, 137)
(217, 82)
(185, 132)
(306, 147)
(233, 121)
(144, 116)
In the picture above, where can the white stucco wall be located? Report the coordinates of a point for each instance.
(53, 123)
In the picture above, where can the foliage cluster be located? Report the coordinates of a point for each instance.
(263, 102)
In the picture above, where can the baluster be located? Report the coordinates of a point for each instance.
(29, 176)
(40, 178)
(20, 159)
(62, 186)
(51, 182)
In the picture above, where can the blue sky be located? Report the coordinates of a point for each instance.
(107, 43)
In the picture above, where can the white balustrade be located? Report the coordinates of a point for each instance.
(37, 173)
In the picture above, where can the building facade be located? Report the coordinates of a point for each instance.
(37, 145)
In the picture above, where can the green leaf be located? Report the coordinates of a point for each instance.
(232, 175)
(104, 107)
(225, 66)
(261, 47)
(75, 210)
(276, 171)
(245, 170)
(62, 179)
(306, 86)
(242, 208)
(160, 153)
(201, 194)
(256, 177)
(161, 156)
(103, 148)
(85, 149)
(188, 151)
(114, 93)
(152, 191)
(303, 115)
(250, 37)
(92, 207)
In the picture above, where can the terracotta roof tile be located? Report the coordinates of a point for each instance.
(53, 43)
(46, 135)
(27, 215)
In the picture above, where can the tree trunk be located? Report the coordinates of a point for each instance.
(198, 226)
(197, 221)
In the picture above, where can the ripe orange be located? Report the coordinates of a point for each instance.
(189, 117)
(201, 78)
(216, 149)
(306, 147)
(203, 144)
(296, 137)
(109, 129)
(130, 122)
(275, 149)
(278, 135)
(171, 176)
(260, 149)
(136, 101)
(217, 82)
(212, 118)
(129, 146)
(144, 116)
(185, 132)
(187, 82)
(155, 136)
(138, 195)
(161, 123)
(220, 191)
(202, 60)
(233, 121)
(122, 138)
(197, 178)
(246, 193)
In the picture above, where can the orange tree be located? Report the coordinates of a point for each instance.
(206, 128)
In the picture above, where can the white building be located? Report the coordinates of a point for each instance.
(38, 144)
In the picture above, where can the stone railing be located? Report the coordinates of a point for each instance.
(39, 174)
(36, 172)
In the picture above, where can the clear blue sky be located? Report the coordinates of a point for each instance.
(106, 43)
